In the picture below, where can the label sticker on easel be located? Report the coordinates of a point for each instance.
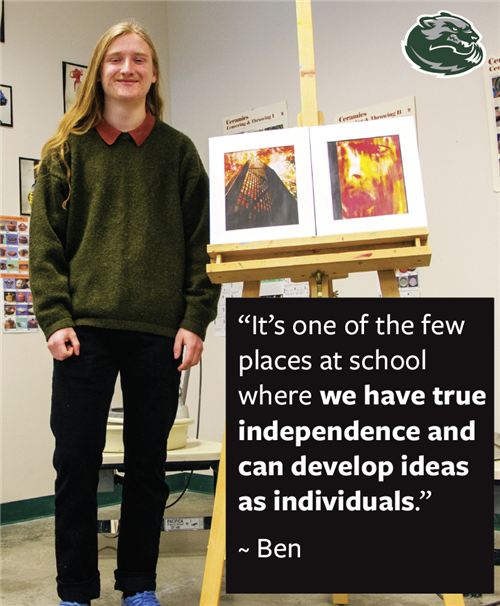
(359, 445)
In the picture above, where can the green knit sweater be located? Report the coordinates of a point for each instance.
(129, 250)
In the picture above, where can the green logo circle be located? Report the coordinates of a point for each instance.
(445, 44)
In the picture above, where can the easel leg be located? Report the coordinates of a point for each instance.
(326, 287)
(453, 599)
(341, 598)
(322, 288)
(216, 553)
(214, 565)
(251, 289)
(308, 93)
(388, 283)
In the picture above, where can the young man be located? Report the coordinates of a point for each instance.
(118, 237)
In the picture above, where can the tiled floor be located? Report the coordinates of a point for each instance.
(28, 568)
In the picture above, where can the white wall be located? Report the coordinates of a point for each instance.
(39, 36)
(229, 57)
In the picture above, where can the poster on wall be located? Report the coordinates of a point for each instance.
(14, 242)
(491, 71)
(270, 117)
(18, 315)
(26, 183)
(17, 308)
(5, 105)
(73, 75)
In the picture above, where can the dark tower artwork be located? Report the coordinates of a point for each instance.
(257, 197)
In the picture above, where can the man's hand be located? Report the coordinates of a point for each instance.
(63, 344)
(194, 348)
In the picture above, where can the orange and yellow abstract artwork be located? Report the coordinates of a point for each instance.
(280, 159)
(371, 177)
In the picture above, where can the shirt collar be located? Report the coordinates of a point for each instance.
(110, 134)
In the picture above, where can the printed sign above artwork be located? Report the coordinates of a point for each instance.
(324, 180)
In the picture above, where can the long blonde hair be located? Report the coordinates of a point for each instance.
(88, 108)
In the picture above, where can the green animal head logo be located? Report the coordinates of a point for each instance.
(444, 45)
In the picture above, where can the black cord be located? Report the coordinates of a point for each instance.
(191, 474)
(182, 493)
(197, 433)
(115, 536)
(199, 402)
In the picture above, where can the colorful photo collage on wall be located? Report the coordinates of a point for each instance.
(18, 315)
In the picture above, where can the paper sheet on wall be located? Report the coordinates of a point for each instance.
(491, 71)
(389, 109)
(268, 288)
(233, 289)
(261, 118)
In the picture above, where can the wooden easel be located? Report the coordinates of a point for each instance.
(320, 259)
(317, 260)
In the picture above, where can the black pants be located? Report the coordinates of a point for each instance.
(81, 394)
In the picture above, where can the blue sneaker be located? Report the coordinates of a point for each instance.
(72, 604)
(147, 598)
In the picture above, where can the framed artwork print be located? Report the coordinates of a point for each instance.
(5, 105)
(261, 186)
(367, 177)
(26, 183)
(73, 75)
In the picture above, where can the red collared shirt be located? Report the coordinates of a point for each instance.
(110, 134)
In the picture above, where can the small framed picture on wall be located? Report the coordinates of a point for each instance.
(5, 105)
(73, 75)
(26, 183)
(2, 21)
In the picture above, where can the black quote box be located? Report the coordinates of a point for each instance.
(327, 513)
